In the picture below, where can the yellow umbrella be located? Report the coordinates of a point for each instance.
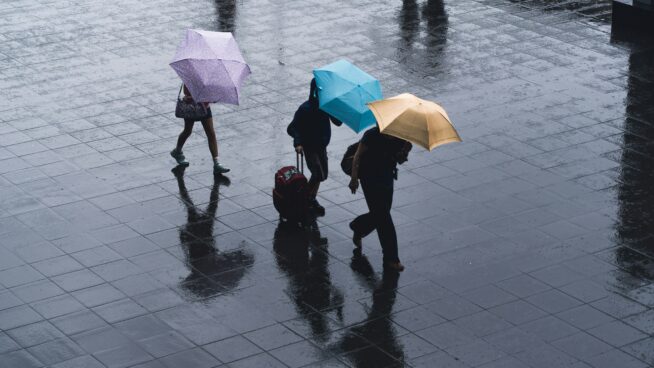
(422, 122)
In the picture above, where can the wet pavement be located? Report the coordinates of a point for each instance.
(531, 244)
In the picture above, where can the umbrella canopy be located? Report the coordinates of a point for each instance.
(343, 92)
(422, 122)
(211, 66)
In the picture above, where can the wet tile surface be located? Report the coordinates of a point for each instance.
(527, 245)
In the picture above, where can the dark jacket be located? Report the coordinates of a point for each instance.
(311, 126)
(378, 162)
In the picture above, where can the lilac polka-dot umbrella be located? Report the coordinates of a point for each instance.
(211, 65)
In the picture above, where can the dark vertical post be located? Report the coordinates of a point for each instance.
(633, 14)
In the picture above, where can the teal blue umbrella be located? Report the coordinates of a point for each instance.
(343, 92)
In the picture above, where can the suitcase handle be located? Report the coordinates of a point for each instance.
(299, 158)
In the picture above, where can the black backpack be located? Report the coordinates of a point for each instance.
(348, 158)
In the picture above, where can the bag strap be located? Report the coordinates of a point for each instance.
(198, 103)
(299, 161)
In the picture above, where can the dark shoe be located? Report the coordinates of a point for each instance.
(178, 155)
(220, 169)
(357, 239)
(394, 266)
(320, 210)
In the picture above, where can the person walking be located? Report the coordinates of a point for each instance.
(375, 165)
(207, 124)
(311, 132)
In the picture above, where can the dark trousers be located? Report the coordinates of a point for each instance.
(379, 197)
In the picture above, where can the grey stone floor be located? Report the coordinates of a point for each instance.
(530, 244)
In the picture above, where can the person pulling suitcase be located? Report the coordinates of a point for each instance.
(311, 132)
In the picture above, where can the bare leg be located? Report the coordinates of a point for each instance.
(183, 136)
(207, 124)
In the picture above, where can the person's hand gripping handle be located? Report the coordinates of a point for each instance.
(354, 185)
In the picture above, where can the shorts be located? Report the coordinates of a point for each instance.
(317, 163)
(208, 115)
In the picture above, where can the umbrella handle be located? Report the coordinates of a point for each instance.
(300, 161)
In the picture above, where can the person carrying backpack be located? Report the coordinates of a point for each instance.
(375, 165)
(311, 132)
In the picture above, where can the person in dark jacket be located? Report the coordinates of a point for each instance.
(375, 164)
(311, 132)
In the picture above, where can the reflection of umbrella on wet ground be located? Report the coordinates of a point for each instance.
(211, 65)
(215, 273)
(422, 122)
(343, 92)
(212, 273)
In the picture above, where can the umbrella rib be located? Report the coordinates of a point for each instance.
(342, 79)
(424, 111)
(228, 75)
(231, 79)
(216, 56)
(378, 116)
(209, 47)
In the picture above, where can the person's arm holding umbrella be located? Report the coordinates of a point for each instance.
(335, 121)
(354, 181)
(188, 97)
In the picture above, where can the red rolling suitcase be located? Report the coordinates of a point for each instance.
(290, 196)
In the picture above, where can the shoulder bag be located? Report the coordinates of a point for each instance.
(189, 109)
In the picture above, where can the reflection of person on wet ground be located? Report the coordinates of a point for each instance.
(433, 9)
(409, 22)
(432, 13)
(226, 16)
(377, 328)
(302, 255)
(635, 187)
(211, 272)
(435, 16)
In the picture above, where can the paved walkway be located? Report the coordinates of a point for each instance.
(528, 245)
